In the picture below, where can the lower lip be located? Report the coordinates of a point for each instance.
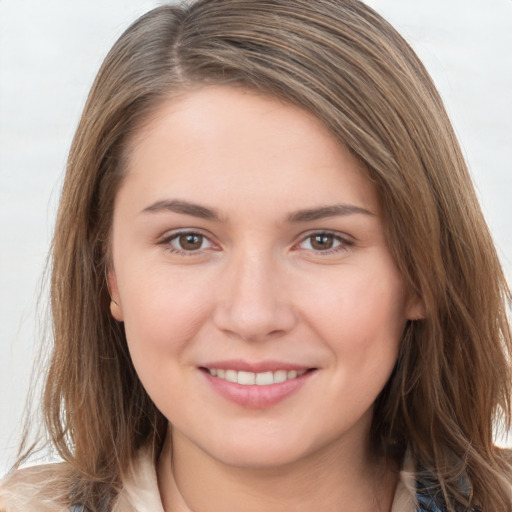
(254, 396)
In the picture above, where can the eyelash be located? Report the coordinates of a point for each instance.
(167, 242)
(343, 242)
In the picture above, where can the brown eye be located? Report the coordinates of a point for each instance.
(187, 243)
(190, 241)
(322, 242)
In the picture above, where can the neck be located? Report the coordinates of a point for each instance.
(340, 479)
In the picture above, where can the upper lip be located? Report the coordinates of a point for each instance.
(254, 366)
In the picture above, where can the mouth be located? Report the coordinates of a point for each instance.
(257, 385)
(246, 378)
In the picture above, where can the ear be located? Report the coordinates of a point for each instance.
(415, 308)
(116, 309)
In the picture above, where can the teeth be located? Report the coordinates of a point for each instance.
(232, 375)
(260, 379)
(280, 376)
(246, 378)
(264, 379)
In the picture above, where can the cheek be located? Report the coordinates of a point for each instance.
(362, 315)
(161, 319)
(162, 312)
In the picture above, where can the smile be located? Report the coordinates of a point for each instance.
(256, 389)
(251, 378)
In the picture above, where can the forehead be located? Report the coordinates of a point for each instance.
(224, 144)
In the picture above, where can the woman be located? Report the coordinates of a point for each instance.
(272, 285)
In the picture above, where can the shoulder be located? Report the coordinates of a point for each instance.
(38, 488)
(46, 488)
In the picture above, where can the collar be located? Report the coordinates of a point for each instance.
(140, 491)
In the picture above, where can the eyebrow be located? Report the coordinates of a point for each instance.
(327, 211)
(203, 212)
(184, 207)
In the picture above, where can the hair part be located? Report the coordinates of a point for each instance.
(342, 62)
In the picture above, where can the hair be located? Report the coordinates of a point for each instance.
(342, 62)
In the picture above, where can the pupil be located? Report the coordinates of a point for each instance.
(322, 242)
(191, 242)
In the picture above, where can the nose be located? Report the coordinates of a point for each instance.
(252, 303)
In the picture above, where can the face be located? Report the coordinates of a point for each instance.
(262, 308)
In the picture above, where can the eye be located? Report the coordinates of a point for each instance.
(188, 242)
(324, 242)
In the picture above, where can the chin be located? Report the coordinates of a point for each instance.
(256, 457)
(260, 451)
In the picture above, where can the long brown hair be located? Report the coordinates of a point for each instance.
(341, 61)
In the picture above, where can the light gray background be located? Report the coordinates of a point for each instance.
(49, 54)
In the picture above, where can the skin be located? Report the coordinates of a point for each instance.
(257, 285)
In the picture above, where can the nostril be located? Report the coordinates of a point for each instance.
(254, 321)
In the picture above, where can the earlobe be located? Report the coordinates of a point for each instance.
(116, 310)
(115, 302)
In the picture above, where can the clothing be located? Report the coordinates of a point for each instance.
(28, 491)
